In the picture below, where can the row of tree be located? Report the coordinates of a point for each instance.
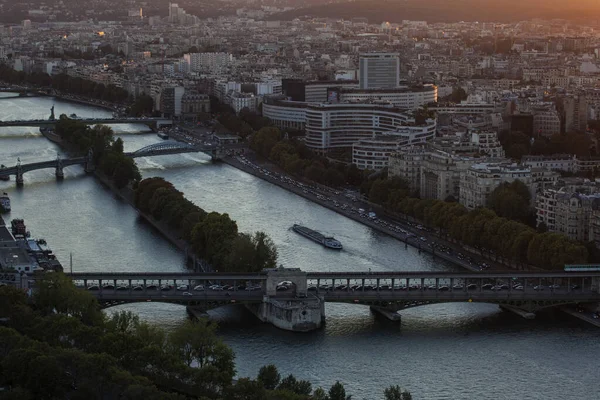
(213, 236)
(244, 124)
(508, 207)
(59, 345)
(108, 152)
(506, 239)
(142, 106)
(66, 84)
(298, 160)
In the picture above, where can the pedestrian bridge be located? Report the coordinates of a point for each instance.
(386, 292)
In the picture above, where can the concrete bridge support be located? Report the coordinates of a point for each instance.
(59, 172)
(19, 176)
(217, 155)
(515, 310)
(296, 315)
(302, 313)
(196, 312)
(89, 166)
(387, 313)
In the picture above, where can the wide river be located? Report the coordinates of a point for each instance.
(450, 351)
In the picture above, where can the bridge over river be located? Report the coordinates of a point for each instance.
(167, 147)
(294, 300)
(89, 121)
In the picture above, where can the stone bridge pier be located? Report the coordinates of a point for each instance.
(60, 174)
(293, 311)
(89, 166)
(19, 175)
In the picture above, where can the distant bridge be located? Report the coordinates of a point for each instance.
(386, 292)
(89, 121)
(16, 90)
(158, 149)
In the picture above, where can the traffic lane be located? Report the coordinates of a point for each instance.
(459, 296)
(175, 294)
(306, 192)
(530, 291)
(470, 261)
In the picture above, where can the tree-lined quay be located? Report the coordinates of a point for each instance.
(497, 232)
(66, 84)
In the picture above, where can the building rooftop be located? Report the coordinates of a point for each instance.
(402, 89)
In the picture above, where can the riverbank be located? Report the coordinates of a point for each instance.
(71, 99)
(586, 315)
(66, 97)
(127, 195)
(405, 238)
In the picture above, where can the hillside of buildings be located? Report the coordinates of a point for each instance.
(444, 11)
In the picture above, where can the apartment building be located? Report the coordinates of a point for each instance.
(574, 213)
(238, 101)
(194, 103)
(433, 172)
(479, 180)
(487, 143)
(575, 109)
(546, 122)
(207, 62)
(556, 162)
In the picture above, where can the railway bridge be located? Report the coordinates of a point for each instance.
(294, 300)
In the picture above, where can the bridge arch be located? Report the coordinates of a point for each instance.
(168, 145)
(530, 306)
(205, 305)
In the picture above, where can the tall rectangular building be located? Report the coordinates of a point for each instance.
(379, 70)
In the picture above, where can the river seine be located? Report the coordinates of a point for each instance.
(450, 351)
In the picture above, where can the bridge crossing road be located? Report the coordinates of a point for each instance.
(295, 291)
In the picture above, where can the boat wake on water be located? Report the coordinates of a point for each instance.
(198, 160)
(19, 135)
(148, 164)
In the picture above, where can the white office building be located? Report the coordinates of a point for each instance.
(379, 70)
(374, 152)
(403, 97)
(373, 128)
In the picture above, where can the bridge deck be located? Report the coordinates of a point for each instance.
(165, 276)
(560, 296)
(89, 121)
(338, 276)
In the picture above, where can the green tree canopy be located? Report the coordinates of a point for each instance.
(269, 376)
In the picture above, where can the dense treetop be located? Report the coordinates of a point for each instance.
(58, 345)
